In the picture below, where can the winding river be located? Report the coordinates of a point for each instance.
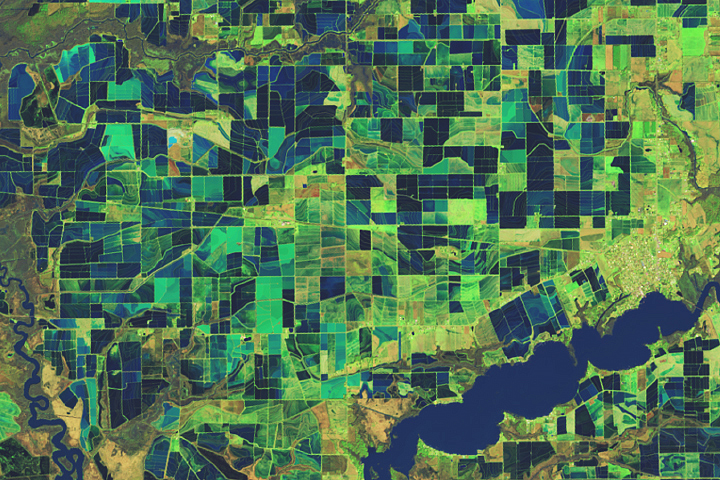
(72, 456)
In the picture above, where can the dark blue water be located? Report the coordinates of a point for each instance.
(74, 456)
(532, 389)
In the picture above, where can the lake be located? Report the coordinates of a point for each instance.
(532, 389)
